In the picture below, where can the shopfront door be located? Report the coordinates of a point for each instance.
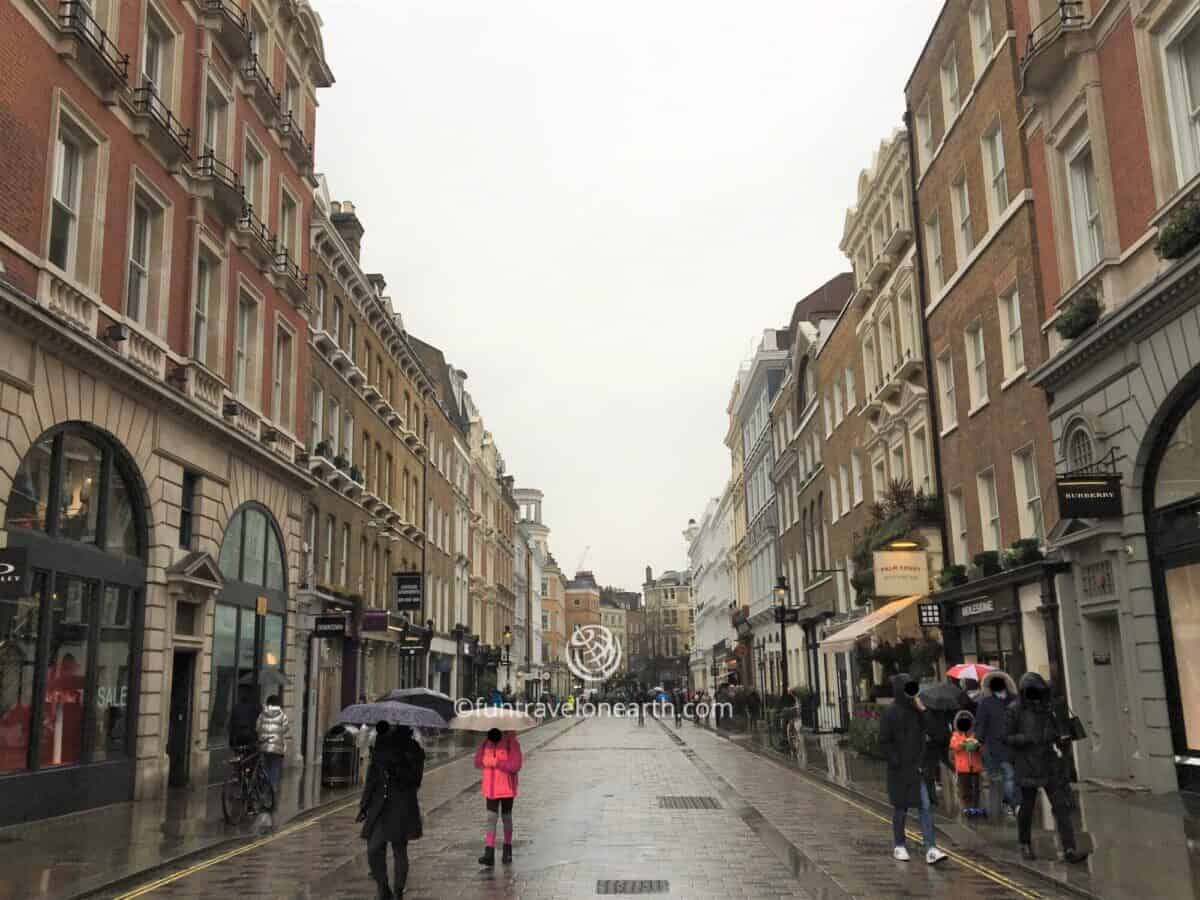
(1110, 728)
(179, 729)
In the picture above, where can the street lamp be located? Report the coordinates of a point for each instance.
(507, 657)
(785, 614)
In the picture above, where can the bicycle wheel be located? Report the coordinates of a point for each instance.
(234, 802)
(264, 791)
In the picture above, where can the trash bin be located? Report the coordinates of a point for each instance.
(339, 757)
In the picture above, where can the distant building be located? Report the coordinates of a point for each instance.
(669, 619)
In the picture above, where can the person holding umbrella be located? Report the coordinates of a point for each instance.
(903, 732)
(499, 757)
(389, 811)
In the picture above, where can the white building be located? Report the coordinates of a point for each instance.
(537, 537)
(709, 543)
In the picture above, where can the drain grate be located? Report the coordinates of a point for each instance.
(633, 886)
(688, 803)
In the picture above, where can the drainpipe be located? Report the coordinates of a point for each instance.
(951, 645)
(425, 617)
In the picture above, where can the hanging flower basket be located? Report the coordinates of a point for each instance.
(1079, 315)
(1180, 234)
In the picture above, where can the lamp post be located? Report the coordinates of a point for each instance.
(760, 652)
(506, 658)
(785, 614)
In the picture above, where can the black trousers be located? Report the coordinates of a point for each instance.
(377, 859)
(1060, 805)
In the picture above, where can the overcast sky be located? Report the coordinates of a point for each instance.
(596, 208)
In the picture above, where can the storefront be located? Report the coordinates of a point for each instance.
(71, 613)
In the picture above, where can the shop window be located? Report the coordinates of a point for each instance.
(1179, 471)
(18, 651)
(29, 500)
(115, 641)
(64, 702)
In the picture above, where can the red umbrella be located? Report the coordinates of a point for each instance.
(973, 671)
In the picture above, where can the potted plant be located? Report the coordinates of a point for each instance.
(988, 562)
(324, 449)
(1023, 552)
(952, 576)
(1180, 234)
(356, 475)
(1078, 316)
(341, 462)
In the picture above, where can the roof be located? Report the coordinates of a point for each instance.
(825, 302)
(435, 362)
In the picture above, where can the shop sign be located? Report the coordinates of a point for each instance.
(980, 607)
(901, 573)
(330, 626)
(408, 591)
(1090, 497)
(14, 572)
(929, 615)
(375, 620)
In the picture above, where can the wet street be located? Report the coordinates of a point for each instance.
(606, 807)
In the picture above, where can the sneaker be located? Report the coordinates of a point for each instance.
(1074, 856)
(1010, 811)
(933, 856)
(1027, 852)
(901, 853)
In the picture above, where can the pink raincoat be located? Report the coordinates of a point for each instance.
(500, 763)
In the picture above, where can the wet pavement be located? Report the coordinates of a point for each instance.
(74, 855)
(595, 815)
(1142, 845)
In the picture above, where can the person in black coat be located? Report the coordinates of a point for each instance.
(991, 729)
(389, 810)
(903, 737)
(1039, 741)
(243, 720)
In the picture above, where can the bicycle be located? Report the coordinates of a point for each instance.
(248, 790)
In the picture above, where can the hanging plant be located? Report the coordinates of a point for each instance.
(1078, 316)
(1180, 234)
(1023, 552)
(988, 562)
(952, 576)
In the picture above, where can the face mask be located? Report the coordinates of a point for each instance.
(1001, 694)
(912, 689)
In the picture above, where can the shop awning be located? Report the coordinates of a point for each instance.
(848, 636)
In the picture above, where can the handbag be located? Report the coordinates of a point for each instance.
(1075, 729)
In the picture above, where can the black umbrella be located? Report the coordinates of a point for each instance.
(944, 696)
(391, 712)
(440, 703)
(268, 678)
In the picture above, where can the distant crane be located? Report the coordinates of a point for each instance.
(583, 558)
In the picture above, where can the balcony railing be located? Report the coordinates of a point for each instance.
(1044, 53)
(299, 148)
(76, 17)
(231, 27)
(261, 243)
(296, 278)
(147, 102)
(264, 89)
(228, 192)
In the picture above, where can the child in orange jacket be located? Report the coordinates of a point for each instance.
(968, 762)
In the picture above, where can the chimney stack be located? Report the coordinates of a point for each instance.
(345, 220)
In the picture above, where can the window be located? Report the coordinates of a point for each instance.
(1079, 449)
(851, 398)
(879, 478)
(1183, 83)
(920, 462)
(1014, 344)
(187, 508)
(869, 369)
(319, 304)
(856, 472)
(138, 297)
(288, 218)
(344, 556)
(845, 485)
(925, 134)
(335, 426)
(327, 562)
(281, 396)
(216, 107)
(976, 367)
(951, 101)
(291, 95)
(981, 34)
(948, 403)
(1085, 209)
(993, 158)
(989, 509)
(838, 412)
(253, 177)
(1029, 498)
(933, 240)
(958, 526)
(828, 418)
(908, 327)
(335, 330)
(963, 238)
(887, 346)
(244, 340)
(387, 482)
(204, 301)
(316, 414)
(251, 550)
(899, 467)
(352, 341)
(64, 214)
(155, 56)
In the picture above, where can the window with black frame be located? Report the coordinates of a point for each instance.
(67, 649)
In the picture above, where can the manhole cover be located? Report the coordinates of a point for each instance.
(688, 803)
(633, 886)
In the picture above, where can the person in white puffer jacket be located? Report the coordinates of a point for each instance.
(274, 729)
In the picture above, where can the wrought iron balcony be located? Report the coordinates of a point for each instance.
(228, 25)
(229, 195)
(294, 142)
(166, 132)
(102, 55)
(260, 89)
(256, 238)
(295, 280)
(1046, 51)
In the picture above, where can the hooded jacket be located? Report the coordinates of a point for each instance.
(965, 761)
(389, 799)
(902, 740)
(500, 763)
(991, 729)
(1034, 735)
(273, 730)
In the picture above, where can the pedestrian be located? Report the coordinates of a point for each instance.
(902, 737)
(273, 730)
(968, 762)
(499, 756)
(1039, 741)
(678, 703)
(243, 720)
(389, 810)
(991, 730)
(641, 705)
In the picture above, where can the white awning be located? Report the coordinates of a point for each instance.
(849, 636)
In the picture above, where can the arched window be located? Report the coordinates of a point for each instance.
(252, 550)
(1079, 448)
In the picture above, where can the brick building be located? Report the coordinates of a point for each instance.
(1113, 149)
(153, 248)
(983, 309)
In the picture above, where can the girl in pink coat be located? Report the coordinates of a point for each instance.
(499, 758)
